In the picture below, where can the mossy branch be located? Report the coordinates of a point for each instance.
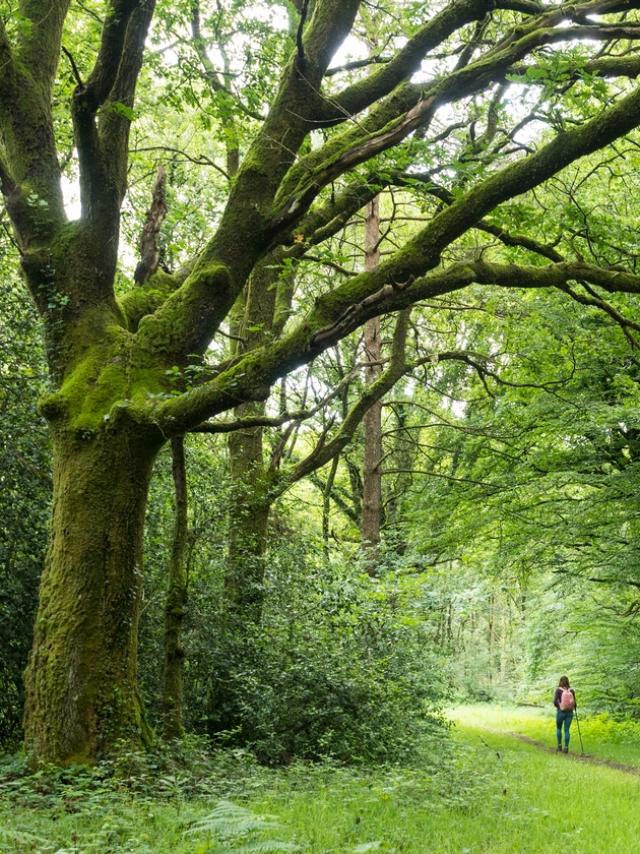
(26, 125)
(105, 70)
(262, 367)
(411, 106)
(406, 61)
(197, 309)
(102, 150)
(39, 43)
(115, 117)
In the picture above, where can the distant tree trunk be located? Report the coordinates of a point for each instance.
(248, 519)
(176, 601)
(403, 455)
(372, 422)
(264, 314)
(326, 504)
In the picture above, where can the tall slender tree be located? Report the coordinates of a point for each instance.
(372, 422)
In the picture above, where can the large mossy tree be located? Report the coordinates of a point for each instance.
(114, 352)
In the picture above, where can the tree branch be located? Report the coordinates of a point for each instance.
(26, 125)
(406, 62)
(326, 451)
(411, 107)
(39, 42)
(195, 311)
(149, 239)
(103, 148)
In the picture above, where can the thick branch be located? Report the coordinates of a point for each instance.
(283, 356)
(26, 131)
(107, 65)
(103, 150)
(188, 319)
(39, 45)
(413, 106)
(406, 62)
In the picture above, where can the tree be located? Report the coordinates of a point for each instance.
(113, 352)
(372, 458)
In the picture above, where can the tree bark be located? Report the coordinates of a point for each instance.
(81, 688)
(326, 504)
(176, 601)
(403, 456)
(265, 312)
(248, 520)
(372, 422)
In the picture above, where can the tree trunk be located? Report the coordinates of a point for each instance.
(403, 457)
(326, 504)
(371, 476)
(176, 601)
(81, 689)
(248, 520)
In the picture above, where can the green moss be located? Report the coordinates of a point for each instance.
(105, 377)
(142, 301)
(183, 324)
(81, 681)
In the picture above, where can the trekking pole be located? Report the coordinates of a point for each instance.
(579, 733)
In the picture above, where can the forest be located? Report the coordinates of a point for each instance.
(319, 426)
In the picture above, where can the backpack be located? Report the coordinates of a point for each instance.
(567, 701)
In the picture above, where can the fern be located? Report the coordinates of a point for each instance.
(265, 847)
(22, 837)
(231, 823)
(228, 821)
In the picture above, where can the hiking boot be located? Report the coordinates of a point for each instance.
(559, 749)
(565, 750)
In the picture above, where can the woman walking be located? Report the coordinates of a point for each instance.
(564, 700)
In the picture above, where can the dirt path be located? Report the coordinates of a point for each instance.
(577, 757)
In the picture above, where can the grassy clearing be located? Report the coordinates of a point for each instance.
(601, 734)
(489, 793)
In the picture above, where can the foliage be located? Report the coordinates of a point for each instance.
(25, 487)
(233, 824)
(333, 669)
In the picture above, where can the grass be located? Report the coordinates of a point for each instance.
(490, 793)
(602, 736)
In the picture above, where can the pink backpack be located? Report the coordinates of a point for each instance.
(567, 701)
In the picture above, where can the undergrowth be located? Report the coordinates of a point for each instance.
(480, 792)
(184, 798)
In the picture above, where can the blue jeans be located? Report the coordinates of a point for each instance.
(563, 718)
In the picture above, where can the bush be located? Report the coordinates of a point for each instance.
(332, 671)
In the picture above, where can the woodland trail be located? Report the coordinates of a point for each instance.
(578, 757)
(535, 727)
(536, 800)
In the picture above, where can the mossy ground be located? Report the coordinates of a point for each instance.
(491, 793)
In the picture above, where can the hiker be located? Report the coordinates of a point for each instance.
(565, 702)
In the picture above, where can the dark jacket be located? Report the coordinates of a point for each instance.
(558, 696)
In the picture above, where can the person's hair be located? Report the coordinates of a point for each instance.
(564, 682)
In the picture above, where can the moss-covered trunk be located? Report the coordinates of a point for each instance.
(81, 680)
